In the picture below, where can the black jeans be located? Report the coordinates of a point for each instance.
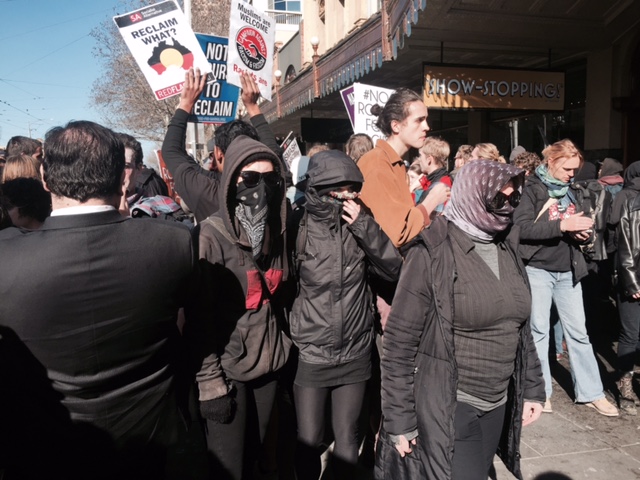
(477, 437)
(234, 447)
(346, 403)
(628, 341)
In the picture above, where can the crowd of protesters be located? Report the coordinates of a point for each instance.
(397, 310)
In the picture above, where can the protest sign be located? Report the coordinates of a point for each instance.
(291, 152)
(349, 102)
(167, 177)
(365, 97)
(164, 46)
(251, 44)
(219, 100)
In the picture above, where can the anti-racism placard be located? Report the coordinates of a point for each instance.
(348, 99)
(251, 43)
(164, 46)
(219, 100)
(469, 87)
(365, 97)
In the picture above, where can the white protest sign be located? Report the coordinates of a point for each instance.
(164, 46)
(251, 44)
(291, 152)
(365, 97)
(299, 168)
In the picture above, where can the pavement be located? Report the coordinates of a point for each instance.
(576, 442)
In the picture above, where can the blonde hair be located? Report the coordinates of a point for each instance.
(564, 148)
(317, 149)
(488, 151)
(357, 145)
(21, 166)
(438, 148)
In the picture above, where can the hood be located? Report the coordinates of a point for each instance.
(241, 151)
(332, 168)
(631, 174)
(610, 166)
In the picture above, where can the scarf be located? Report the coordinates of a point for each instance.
(252, 211)
(475, 186)
(557, 189)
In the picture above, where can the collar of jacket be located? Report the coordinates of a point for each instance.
(392, 156)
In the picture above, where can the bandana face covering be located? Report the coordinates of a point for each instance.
(252, 211)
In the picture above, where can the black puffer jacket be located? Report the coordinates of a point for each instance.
(537, 235)
(419, 371)
(332, 317)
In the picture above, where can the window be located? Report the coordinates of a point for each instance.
(285, 5)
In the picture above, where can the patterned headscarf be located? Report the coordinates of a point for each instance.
(475, 186)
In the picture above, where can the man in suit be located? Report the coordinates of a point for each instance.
(88, 328)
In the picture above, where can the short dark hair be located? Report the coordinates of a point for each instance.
(130, 142)
(22, 145)
(396, 109)
(227, 132)
(29, 196)
(83, 160)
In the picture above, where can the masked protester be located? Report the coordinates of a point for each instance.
(460, 373)
(235, 328)
(332, 323)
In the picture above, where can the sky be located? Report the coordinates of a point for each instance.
(47, 66)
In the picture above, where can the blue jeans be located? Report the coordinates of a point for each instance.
(558, 287)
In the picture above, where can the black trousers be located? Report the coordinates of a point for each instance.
(629, 340)
(476, 441)
(234, 447)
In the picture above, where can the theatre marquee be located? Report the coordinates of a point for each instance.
(469, 87)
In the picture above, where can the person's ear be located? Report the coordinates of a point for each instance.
(218, 157)
(395, 127)
(44, 184)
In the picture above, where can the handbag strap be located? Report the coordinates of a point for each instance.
(545, 207)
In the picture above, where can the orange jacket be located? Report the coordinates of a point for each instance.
(386, 193)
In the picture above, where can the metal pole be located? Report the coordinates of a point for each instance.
(192, 131)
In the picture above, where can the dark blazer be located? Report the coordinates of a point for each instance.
(94, 299)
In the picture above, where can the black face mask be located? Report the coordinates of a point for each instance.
(252, 210)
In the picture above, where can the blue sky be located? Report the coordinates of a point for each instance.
(47, 66)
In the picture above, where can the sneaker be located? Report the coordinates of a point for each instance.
(603, 407)
(547, 407)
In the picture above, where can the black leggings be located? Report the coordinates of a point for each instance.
(346, 403)
(477, 437)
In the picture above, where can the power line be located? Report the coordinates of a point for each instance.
(52, 25)
(36, 83)
(51, 53)
(21, 111)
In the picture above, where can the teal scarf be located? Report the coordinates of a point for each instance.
(556, 188)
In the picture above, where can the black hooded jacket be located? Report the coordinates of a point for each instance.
(630, 189)
(236, 326)
(332, 317)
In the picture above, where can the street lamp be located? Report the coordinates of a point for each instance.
(278, 75)
(315, 41)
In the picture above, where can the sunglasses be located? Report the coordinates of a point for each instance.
(252, 179)
(501, 199)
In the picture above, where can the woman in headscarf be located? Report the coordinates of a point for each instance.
(552, 229)
(460, 374)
